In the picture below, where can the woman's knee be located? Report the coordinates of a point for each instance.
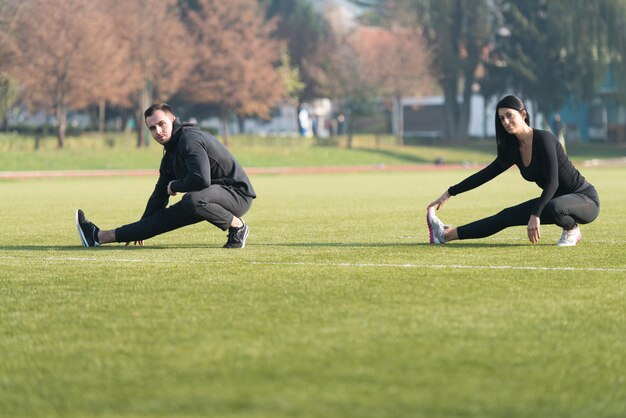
(589, 214)
(552, 210)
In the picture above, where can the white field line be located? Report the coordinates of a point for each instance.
(443, 266)
(313, 264)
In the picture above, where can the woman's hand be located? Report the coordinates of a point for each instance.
(534, 229)
(441, 200)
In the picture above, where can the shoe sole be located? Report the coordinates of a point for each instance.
(81, 235)
(430, 228)
(431, 235)
(571, 245)
(245, 237)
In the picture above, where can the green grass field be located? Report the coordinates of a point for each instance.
(337, 307)
(118, 151)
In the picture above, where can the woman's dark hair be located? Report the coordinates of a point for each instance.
(506, 142)
(157, 106)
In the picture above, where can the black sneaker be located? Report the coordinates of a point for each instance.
(237, 237)
(87, 231)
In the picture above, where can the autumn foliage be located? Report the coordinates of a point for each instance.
(76, 53)
(63, 59)
(372, 62)
(235, 59)
(223, 55)
(397, 63)
(159, 56)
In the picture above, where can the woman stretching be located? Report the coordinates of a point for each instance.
(566, 200)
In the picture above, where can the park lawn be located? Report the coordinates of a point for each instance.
(337, 307)
(118, 151)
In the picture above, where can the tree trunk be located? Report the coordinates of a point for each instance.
(450, 111)
(145, 100)
(62, 121)
(101, 115)
(224, 117)
(465, 108)
(140, 127)
(349, 128)
(4, 91)
(399, 120)
(472, 61)
(241, 123)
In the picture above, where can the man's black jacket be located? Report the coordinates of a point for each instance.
(195, 160)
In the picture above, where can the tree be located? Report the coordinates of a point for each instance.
(160, 58)
(617, 40)
(304, 29)
(290, 77)
(8, 96)
(235, 60)
(343, 75)
(457, 33)
(396, 62)
(551, 51)
(8, 47)
(8, 52)
(64, 58)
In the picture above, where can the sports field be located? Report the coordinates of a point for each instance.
(337, 307)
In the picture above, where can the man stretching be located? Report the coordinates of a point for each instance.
(216, 187)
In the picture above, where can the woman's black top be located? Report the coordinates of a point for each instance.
(549, 168)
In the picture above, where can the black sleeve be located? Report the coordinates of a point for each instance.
(159, 197)
(550, 168)
(478, 179)
(198, 166)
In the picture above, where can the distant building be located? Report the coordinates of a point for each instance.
(602, 119)
(424, 117)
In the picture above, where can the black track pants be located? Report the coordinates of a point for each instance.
(565, 211)
(216, 204)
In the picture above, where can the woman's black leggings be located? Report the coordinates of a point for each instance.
(565, 211)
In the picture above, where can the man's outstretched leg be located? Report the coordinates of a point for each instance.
(162, 221)
(165, 220)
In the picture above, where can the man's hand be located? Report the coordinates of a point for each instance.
(534, 229)
(169, 189)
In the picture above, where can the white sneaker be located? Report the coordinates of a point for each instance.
(570, 238)
(436, 228)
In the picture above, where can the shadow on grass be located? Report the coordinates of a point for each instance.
(111, 247)
(334, 244)
(459, 245)
(388, 244)
(413, 159)
(122, 247)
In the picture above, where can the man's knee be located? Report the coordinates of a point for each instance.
(190, 203)
(202, 203)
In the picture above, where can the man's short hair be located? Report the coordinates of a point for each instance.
(158, 106)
